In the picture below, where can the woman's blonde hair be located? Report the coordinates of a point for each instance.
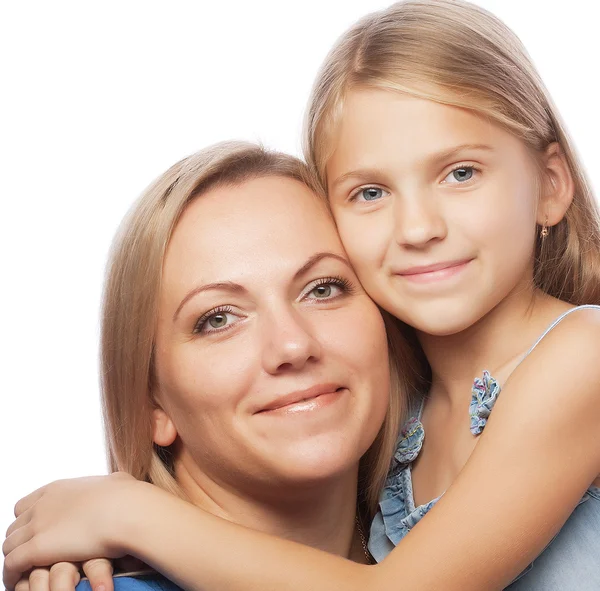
(456, 53)
(130, 311)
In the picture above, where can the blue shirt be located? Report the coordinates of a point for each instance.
(153, 582)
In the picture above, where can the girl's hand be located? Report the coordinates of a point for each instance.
(68, 520)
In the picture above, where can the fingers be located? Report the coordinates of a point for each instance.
(17, 538)
(28, 501)
(64, 576)
(17, 562)
(39, 579)
(23, 584)
(99, 571)
(20, 521)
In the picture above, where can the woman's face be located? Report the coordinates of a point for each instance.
(271, 360)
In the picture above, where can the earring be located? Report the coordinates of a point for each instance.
(544, 231)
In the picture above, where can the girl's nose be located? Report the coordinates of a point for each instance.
(418, 220)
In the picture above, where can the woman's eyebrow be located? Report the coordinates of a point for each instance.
(315, 258)
(240, 289)
(220, 285)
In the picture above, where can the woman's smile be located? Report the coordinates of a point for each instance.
(300, 401)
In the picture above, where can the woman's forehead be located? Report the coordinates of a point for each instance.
(263, 226)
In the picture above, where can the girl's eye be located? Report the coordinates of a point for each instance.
(368, 194)
(460, 175)
(215, 321)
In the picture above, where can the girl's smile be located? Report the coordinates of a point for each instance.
(436, 206)
(435, 272)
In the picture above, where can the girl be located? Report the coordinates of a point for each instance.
(462, 206)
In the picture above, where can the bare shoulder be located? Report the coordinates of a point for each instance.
(555, 392)
(573, 345)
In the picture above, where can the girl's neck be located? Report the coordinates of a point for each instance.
(496, 342)
(319, 515)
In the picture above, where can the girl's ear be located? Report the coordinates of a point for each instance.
(164, 432)
(557, 188)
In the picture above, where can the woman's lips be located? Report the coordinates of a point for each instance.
(306, 400)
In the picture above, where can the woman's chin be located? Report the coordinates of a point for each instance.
(307, 464)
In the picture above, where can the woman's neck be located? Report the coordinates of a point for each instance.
(320, 515)
(497, 342)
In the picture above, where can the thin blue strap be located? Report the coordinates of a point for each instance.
(555, 323)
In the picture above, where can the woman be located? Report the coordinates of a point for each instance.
(231, 372)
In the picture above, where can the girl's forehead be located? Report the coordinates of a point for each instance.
(381, 128)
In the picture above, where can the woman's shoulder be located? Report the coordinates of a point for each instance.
(154, 582)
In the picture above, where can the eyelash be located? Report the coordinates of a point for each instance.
(337, 280)
(357, 191)
(198, 328)
(464, 165)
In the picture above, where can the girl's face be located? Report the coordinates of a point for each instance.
(436, 207)
(271, 360)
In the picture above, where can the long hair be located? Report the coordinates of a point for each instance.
(456, 53)
(130, 310)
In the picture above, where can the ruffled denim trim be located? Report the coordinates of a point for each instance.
(397, 506)
(484, 393)
(410, 441)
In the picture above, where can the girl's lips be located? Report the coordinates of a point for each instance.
(435, 272)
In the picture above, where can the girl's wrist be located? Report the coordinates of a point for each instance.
(127, 531)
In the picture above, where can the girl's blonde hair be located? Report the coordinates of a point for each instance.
(130, 311)
(456, 53)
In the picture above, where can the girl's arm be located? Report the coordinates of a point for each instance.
(539, 453)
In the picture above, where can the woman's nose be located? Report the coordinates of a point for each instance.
(288, 342)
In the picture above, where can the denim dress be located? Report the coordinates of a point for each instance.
(572, 559)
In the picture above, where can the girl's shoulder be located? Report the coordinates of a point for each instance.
(554, 391)
(571, 340)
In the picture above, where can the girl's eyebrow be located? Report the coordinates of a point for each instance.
(456, 150)
(434, 158)
(359, 173)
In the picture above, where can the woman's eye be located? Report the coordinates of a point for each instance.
(328, 288)
(368, 194)
(323, 291)
(218, 320)
(215, 321)
(460, 175)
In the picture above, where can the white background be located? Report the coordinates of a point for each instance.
(98, 98)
